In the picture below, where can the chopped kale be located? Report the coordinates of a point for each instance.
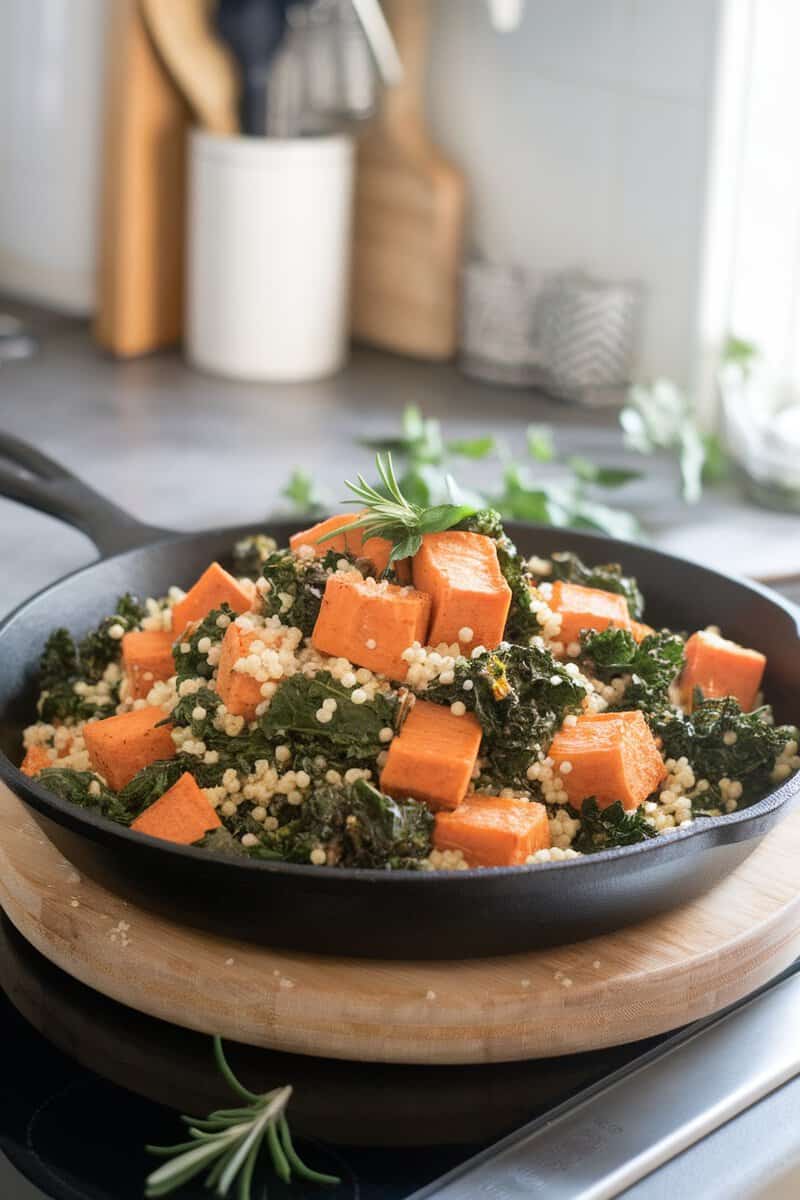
(149, 784)
(297, 585)
(522, 622)
(63, 664)
(193, 663)
(722, 742)
(239, 753)
(602, 828)
(353, 732)
(652, 665)
(74, 786)
(250, 554)
(98, 648)
(607, 576)
(520, 695)
(357, 825)
(222, 841)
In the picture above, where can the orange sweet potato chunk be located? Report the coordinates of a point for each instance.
(214, 587)
(376, 549)
(35, 760)
(433, 756)
(587, 608)
(146, 658)
(182, 814)
(120, 746)
(612, 756)
(462, 576)
(493, 831)
(371, 623)
(722, 668)
(240, 693)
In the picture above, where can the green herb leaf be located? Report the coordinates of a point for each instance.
(479, 447)
(609, 477)
(540, 443)
(302, 493)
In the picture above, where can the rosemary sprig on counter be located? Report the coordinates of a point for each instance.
(228, 1142)
(390, 515)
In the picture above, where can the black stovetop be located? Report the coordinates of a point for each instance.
(87, 1082)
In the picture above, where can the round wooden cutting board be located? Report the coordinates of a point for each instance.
(618, 988)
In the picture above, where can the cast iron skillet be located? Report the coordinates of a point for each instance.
(374, 913)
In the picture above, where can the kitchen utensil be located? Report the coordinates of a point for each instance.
(621, 987)
(409, 214)
(140, 282)
(384, 914)
(268, 263)
(253, 29)
(380, 40)
(201, 65)
(340, 82)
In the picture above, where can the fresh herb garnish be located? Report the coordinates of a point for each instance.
(603, 828)
(652, 664)
(229, 1141)
(390, 515)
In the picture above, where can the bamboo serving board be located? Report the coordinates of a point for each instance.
(618, 988)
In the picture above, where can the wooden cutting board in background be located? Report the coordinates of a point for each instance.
(140, 288)
(409, 214)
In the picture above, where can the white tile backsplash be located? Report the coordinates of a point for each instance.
(584, 138)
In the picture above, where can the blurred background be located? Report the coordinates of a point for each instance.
(549, 247)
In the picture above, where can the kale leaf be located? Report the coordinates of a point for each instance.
(520, 695)
(607, 576)
(357, 825)
(239, 753)
(653, 664)
(297, 585)
(74, 786)
(193, 663)
(352, 734)
(63, 664)
(149, 784)
(98, 648)
(722, 742)
(602, 828)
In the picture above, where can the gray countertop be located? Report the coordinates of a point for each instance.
(184, 450)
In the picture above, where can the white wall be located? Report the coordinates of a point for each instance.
(584, 135)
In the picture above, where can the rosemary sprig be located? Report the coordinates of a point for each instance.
(395, 518)
(227, 1143)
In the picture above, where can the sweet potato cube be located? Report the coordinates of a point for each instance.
(722, 668)
(433, 756)
(146, 657)
(611, 756)
(35, 760)
(371, 622)
(587, 608)
(375, 549)
(461, 574)
(239, 692)
(182, 814)
(120, 746)
(493, 831)
(640, 631)
(214, 588)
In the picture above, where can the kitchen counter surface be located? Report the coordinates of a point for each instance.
(184, 450)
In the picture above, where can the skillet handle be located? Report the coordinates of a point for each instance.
(34, 479)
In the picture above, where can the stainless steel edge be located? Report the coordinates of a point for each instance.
(605, 1140)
